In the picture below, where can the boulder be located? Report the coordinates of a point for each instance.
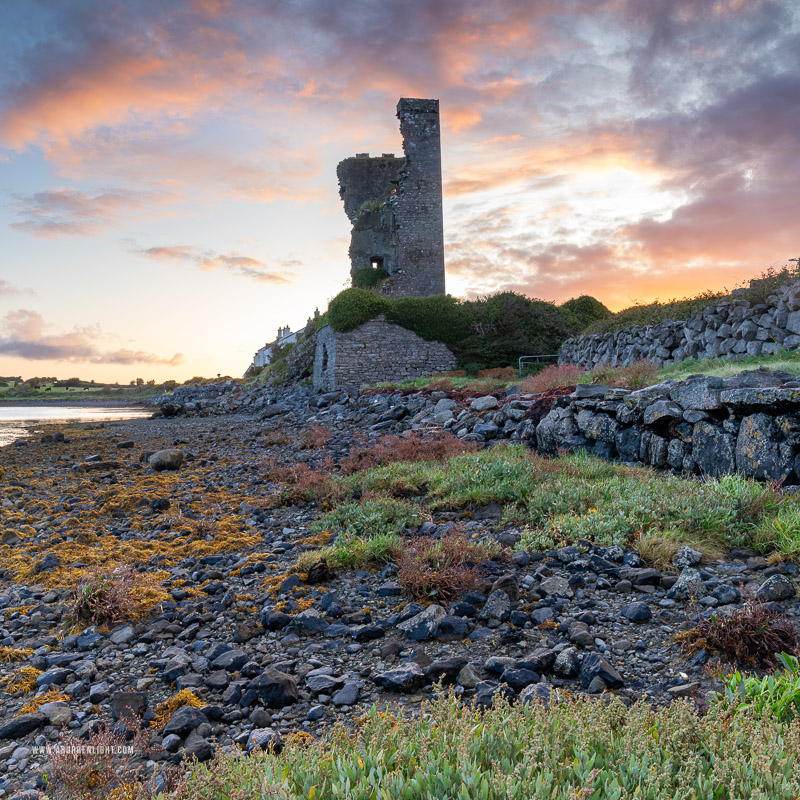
(169, 459)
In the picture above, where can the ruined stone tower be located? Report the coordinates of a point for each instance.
(395, 206)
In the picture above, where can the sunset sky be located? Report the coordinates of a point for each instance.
(168, 169)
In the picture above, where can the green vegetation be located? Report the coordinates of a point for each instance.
(486, 333)
(654, 313)
(370, 277)
(786, 360)
(565, 500)
(773, 696)
(573, 748)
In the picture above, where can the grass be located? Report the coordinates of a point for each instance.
(773, 696)
(786, 360)
(563, 500)
(575, 748)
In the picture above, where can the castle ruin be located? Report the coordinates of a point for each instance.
(395, 207)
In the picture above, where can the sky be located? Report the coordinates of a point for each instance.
(168, 192)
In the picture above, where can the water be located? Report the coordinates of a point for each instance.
(17, 422)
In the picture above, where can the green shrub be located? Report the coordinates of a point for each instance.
(370, 518)
(482, 334)
(580, 312)
(440, 318)
(571, 748)
(369, 277)
(773, 696)
(353, 307)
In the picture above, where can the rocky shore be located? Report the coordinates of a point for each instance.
(240, 651)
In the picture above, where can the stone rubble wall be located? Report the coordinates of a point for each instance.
(749, 424)
(734, 329)
(376, 351)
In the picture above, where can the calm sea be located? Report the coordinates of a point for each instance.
(17, 422)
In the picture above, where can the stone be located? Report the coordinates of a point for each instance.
(687, 557)
(128, 705)
(274, 689)
(199, 749)
(689, 585)
(58, 713)
(468, 677)
(184, 720)
(264, 739)
(758, 454)
(405, 678)
(567, 663)
(555, 586)
(231, 661)
(17, 727)
(497, 606)
(535, 693)
(169, 459)
(347, 695)
(777, 588)
(274, 410)
(423, 625)
(518, 679)
(595, 666)
(637, 612)
(661, 412)
(481, 404)
(713, 450)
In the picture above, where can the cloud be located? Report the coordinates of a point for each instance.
(69, 212)
(9, 290)
(23, 334)
(209, 260)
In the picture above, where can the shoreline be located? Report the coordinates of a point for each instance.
(81, 403)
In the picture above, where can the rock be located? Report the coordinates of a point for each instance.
(555, 586)
(183, 721)
(199, 749)
(274, 410)
(17, 727)
(539, 660)
(272, 688)
(727, 595)
(58, 713)
(595, 666)
(536, 692)
(122, 635)
(347, 695)
(687, 557)
(758, 454)
(777, 588)
(662, 412)
(128, 705)
(689, 584)
(637, 612)
(467, 677)
(323, 683)
(697, 394)
(310, 620)
(169, 459)
(232, 661)
(518, 679)
(264, 739)
(480, 404)
(445, 670)
(405, 678)
(423, 625)
(567, 663)
(713, 451)
(497, 606)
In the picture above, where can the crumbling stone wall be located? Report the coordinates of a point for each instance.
(376, 351)
(734, 329)
(395, 206)
(749, 423)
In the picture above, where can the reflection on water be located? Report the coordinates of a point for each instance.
(17, 422)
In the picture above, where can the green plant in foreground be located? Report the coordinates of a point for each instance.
(775, 696)
(573, 748)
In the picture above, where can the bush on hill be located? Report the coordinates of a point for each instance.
(580, 312)
(486, 333)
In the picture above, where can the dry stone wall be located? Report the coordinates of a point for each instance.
(749, 424)
(376, 351)
(735, 329)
